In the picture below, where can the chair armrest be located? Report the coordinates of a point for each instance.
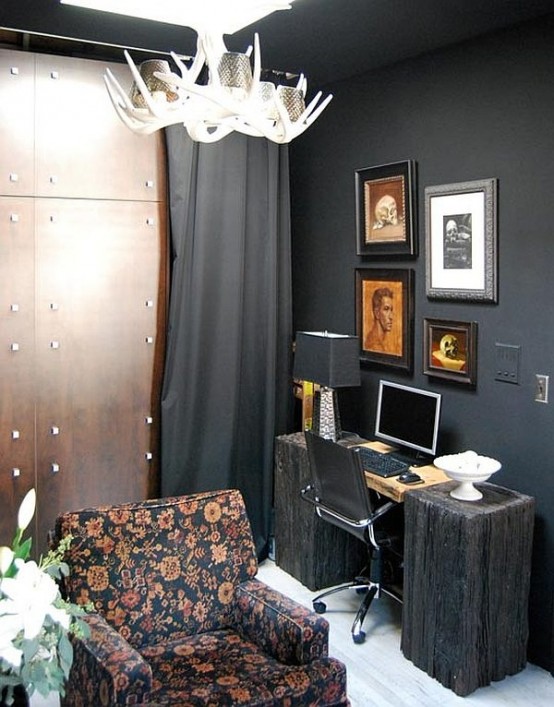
(105, 669)
(280, 626)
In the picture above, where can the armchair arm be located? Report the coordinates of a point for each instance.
(106, 669)
(283, 628)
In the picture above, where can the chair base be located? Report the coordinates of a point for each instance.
(361, 585)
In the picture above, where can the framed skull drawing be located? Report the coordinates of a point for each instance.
(450, 350)
(461, 239)
(385, 198)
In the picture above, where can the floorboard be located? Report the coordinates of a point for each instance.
(378, 673)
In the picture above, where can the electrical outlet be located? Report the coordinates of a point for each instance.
(541, 388)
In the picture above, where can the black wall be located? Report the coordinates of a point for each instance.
(478, 110)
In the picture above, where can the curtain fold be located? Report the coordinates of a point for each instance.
(226, 390)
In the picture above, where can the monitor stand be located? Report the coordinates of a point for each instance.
(412, 457)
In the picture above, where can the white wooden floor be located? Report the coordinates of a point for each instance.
(378, 673)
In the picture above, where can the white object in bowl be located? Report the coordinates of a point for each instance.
(467, 468)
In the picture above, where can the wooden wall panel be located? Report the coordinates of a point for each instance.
(17, 358)
(82, 148)
(84, 256)
(17, 117)
(99, 265)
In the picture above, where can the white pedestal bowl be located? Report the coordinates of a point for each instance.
(467, 468)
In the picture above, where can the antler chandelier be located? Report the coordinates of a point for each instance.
(232, 97)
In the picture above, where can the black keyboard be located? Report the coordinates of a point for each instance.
(381, 464)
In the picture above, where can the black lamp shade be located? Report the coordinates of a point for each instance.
(332, 360)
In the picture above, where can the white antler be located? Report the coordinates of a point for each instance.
(211, 111)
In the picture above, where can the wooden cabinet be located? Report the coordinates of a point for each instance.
(83, 271)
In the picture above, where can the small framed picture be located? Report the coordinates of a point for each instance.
(450, 350)
(385, 316)
(385, 210)
(461, 241)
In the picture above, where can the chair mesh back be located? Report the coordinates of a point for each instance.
(339, 479)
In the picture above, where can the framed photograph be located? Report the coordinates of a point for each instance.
(461, 241)
(450, 350)
(385, 316)
(385, 210)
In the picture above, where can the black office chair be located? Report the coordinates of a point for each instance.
(340, 495)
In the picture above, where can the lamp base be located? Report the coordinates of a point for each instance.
(326, 419)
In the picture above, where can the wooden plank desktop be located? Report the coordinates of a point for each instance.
(391, 487)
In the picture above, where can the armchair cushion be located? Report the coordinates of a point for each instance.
(159, 568)
(222, 668)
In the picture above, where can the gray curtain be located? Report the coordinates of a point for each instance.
(226, 391)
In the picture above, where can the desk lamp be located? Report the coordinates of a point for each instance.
(332, 361)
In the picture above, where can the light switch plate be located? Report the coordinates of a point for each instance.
(507, 363)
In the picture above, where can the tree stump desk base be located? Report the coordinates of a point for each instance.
(466, 584)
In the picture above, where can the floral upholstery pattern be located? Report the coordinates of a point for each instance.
(180, 618)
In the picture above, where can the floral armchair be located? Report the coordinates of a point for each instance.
(180, 618)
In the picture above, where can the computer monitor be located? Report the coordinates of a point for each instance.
(408, 418)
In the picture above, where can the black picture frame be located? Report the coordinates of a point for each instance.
(450, 350)
(376, 290)
(385, 210)
(461, 241)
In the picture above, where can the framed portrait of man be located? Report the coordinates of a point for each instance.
(385, 316)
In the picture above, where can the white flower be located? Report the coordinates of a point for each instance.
(26, 510)
(30, 595)
(6, 559)
(10, 626)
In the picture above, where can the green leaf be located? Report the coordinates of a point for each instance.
(29, 648)
(22, 551)
(65, 651)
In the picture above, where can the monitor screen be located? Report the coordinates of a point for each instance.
(408, 417)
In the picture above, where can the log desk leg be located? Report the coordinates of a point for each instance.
(466, 584)
(313, 551)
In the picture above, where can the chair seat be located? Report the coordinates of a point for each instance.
(222, 668)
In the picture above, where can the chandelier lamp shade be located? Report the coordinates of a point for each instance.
(229, 96)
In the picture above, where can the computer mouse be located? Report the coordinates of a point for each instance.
(409, 477)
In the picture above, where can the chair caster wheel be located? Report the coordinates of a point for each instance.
(359, 637)
(320, 607)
